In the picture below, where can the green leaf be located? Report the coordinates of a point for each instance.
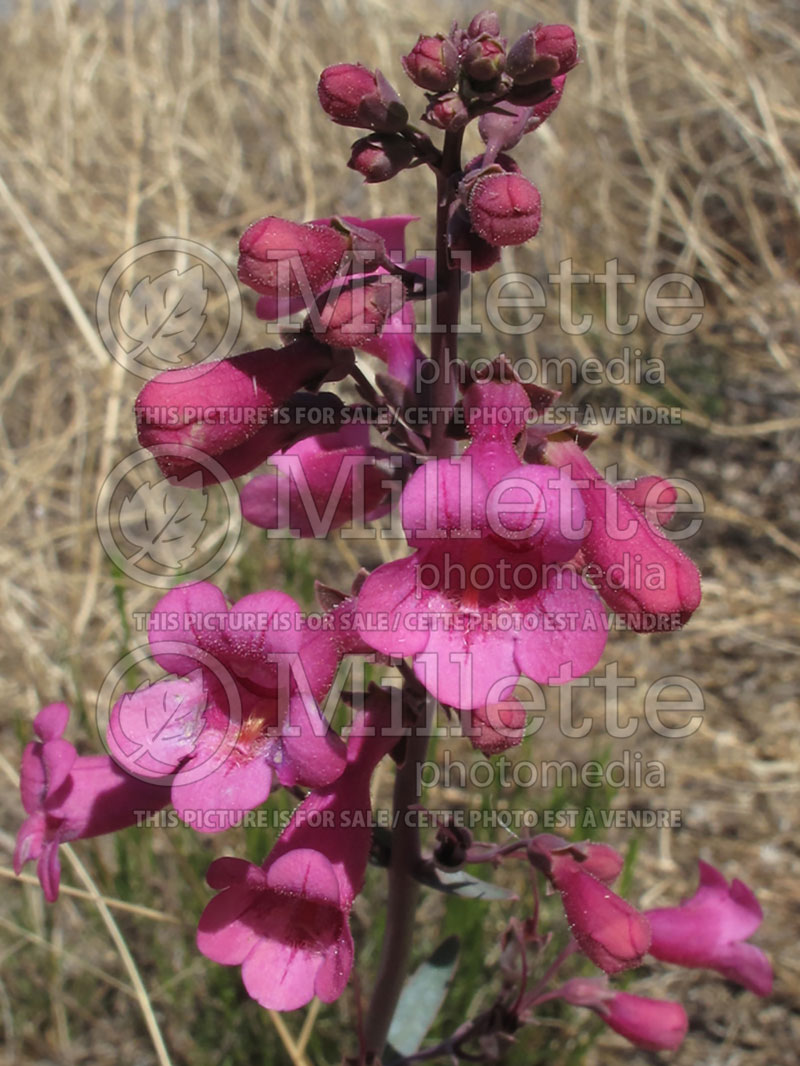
(420, 1000)
(459, 883)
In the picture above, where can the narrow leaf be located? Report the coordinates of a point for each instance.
(421, 999)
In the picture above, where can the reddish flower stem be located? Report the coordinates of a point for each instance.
(403, 887)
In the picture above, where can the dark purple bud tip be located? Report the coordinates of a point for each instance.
(484, 22)
(505, 209)
(432, 63)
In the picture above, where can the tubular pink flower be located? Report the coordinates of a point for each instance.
(709, 931)
(228, 412)
(286, 923)
(71, 797)
(459, 605)
(639, 573)
(607, 929)
(278, 669)
(655, 1024)
(505, 209)
(320, 484)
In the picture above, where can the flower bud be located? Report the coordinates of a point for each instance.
(608, 930)
(432, 63)
(355, 314)
(351, 95)
(558, 44)
(484, 60)
(639, 572)
(654, 1024)
(381, 156)
(284, 259)
(470, 251)
(484, 22)
(521, 59)
(447, 112)
(227, 411)
(505, 209)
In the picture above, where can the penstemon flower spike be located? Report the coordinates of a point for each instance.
(509, 529)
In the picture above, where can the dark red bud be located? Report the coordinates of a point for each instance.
(381, 156)
(484, 60)
(279, 258)
(558, 43)
(432, 63)
(470, 251)
(341, 89)
(447, 112)
(355, 314)
(505, 209)
(353, 96)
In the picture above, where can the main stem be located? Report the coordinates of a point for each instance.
(403, 887)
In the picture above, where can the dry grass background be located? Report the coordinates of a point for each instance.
(677, 147)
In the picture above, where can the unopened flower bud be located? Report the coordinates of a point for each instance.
(356, 314)
(484, 60)
(521, 59)
(505, 209)
(432, 63)
(655, 1024)
(226, 412)
(484, 22)
(559, 45)
(279, 258)
(470, 251)
(381, 156)
(447, 112)
(353, 96)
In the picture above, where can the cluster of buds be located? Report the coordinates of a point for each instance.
(708, 931)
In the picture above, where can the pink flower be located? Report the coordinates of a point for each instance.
(286, 923)
(486, 597)
(70, 797)
(655, 1024)
(320, 484)
(639, 573)
(607, 929)
(709, 931)
(228, 412)
(248, 708)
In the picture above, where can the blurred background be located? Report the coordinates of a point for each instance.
(676, 148)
